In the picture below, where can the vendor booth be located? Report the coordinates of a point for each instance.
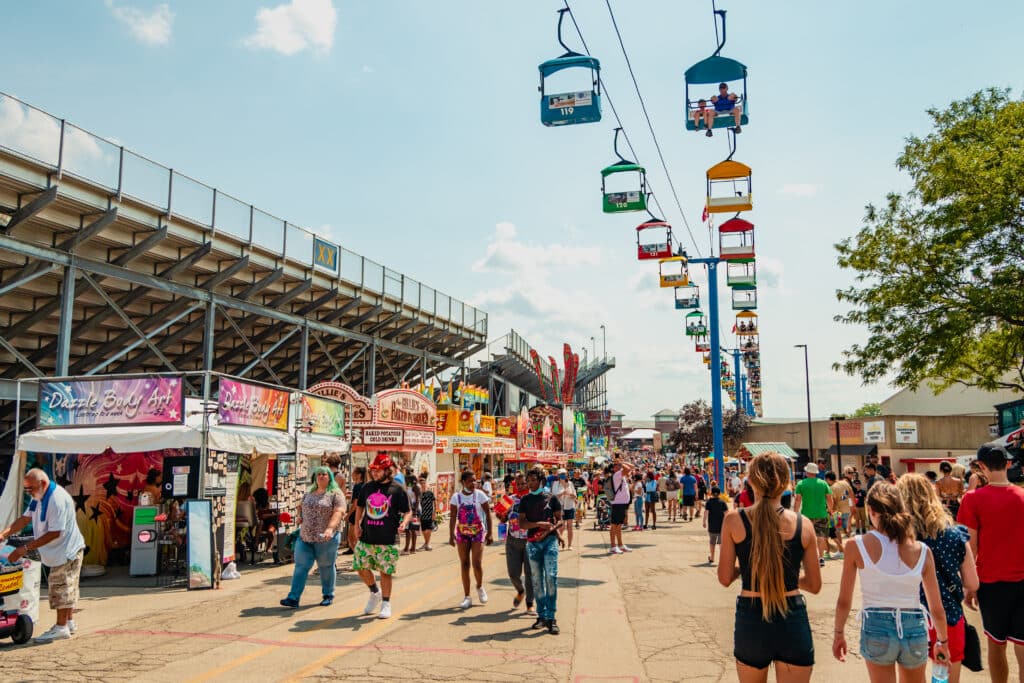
(133, 450)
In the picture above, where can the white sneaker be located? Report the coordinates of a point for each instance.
(482, 594)
(625, 549)
(72, 626)
(466, 603)
(837, 556)
(55, 633)
(385, 611)
(373, 603)
(614, 550)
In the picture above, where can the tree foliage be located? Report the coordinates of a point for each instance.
(695, 435)
(868, 410)
(940, 269)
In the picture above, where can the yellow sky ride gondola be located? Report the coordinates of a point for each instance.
(673, 272)
(729, 187)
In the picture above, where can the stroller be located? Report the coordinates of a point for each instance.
(603, 511)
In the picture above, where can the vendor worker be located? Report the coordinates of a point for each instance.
(60, 545)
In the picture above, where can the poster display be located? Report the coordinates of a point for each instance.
(874, 431)
(252, 405)
(360, 410)
(443, 489)
(906, 431)
(323, 416)
(136, 401)
(200, 544)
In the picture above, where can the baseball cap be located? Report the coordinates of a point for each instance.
(381, 462)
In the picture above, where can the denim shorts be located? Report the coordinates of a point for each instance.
(891, 636)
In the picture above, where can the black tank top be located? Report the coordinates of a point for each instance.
(792, 555)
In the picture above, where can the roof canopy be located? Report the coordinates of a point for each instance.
(640, 434)
(728, 170)
(736, 225)
(716, 70)
(779, 447)
(854, 449)
(621, 167)
(568, 62)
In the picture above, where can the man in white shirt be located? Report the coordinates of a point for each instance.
(565, 492)
(619, 493)
(60, 545)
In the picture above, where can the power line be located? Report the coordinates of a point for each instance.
(629, 143)
(650, 126)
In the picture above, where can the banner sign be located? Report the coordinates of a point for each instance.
(505, 426)
(851, 432)
(416, 437)
(136, 401)
(323, 416)
(407, 408)
(487, 424)
(906, 431)
(361, 411)
(874, 431)
(325, 255)
(252, 405)
(382, 436)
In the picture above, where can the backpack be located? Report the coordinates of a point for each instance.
(672, 484)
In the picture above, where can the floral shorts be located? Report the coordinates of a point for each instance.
(63, 583)
(380, 558)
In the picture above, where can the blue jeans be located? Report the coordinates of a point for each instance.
(890, 636)
(324, 554)
(638, 511)
(543, 558)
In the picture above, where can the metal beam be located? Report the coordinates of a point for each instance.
(365, 316)
(261, 358)
(384, 323)
(32, 271)
(400, 329)
(31, 209)
(89, 231)
(261, 284)
(124, 351)
(222, 275)
(142, 247)
(162, 344)
(371, 382)
(304, 358)
(398, 380)
(21, 359)
(295, 291)
(67, 317)
(338, 313)
(110, 270)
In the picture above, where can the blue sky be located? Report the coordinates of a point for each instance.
(409, 132)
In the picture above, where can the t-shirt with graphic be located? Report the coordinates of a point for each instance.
(469, 511)
(513, 529)
(383, 507)
(842, 493)
(538, 507)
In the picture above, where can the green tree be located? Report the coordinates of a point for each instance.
(868, 410)
(940, 269)
(695, 435)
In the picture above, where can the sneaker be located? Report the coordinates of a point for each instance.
(821, 561)
(709, 133)
(327, 601)
(428, 548)
(625, 549)
(540, 623)
(72, 626)
(289, 603)
(530, 612)
(737, 130)
(373, 603)
(385, 611)
(614, 550)
(837, 556)
(553, 628)
(482, 594)
(55, 633)
(349, 552)
(518, 600)
(466, 603)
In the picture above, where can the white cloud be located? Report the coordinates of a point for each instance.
(367, 69)
(800, 189)
(31, 132)
(151, 27)
(295, 26)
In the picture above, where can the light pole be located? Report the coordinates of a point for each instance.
(839, 444)
(604, 342)
(807, 379)
(594, 342)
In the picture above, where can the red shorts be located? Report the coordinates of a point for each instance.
(957, 635)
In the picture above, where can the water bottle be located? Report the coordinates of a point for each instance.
(940, 673)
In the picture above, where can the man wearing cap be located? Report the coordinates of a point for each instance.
(992, 515)
(382, 514)
(726, 102)
(814, 501)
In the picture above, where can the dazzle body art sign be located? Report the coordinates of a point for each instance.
(361, 411)
(136, 401)
(252, 405)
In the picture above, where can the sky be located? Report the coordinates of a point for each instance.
(409, 132)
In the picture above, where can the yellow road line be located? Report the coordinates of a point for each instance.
(256, 654)
(367, 634)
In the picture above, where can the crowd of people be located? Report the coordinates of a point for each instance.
(921, 547)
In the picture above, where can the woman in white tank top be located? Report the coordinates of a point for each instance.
(892, 567)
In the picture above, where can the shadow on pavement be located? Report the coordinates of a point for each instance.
(573, 582)
(272, 611)
(352, 623)
(524, 633)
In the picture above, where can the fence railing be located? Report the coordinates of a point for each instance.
(65, 149)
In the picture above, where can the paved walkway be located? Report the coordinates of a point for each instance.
(657, 614)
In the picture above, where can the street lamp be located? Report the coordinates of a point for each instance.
(807, 380)
(594, 342)
(604, 342)
(839, 444)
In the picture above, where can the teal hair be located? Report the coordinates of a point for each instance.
(331, 488)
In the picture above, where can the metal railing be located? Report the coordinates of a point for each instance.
(64, 149)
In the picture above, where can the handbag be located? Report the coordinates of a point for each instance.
(972, 648)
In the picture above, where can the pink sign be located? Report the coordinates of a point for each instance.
(252, 405)
(143, 400)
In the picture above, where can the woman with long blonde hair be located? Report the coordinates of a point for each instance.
(770, 544)
(954, 561)
(892, 565)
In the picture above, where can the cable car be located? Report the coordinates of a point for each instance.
(736, 240)
(750, 344)
(687, 297)
(740, 273)
(560, 109)
(630, 174)
(673, 272)
(746, 324)
(715, 70)
(744, 299)
(655, 244)
(695, 325)
(729, 187)
(702, 345)
(707, 359)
